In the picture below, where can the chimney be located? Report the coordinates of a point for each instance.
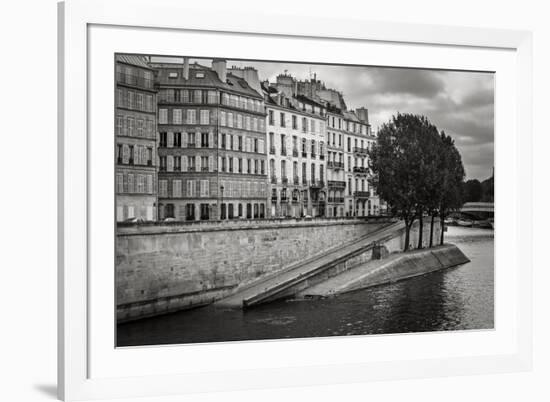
(220, 67)
(363, 114)
(185, 74)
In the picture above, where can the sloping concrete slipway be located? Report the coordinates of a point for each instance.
(310, 272)
(395, 267)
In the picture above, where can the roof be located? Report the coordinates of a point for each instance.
(210, 78)
(352, 116)
(135, 60)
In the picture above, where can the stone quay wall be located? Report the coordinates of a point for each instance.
(169, 267)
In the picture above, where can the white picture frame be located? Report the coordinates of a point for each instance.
(78, 310)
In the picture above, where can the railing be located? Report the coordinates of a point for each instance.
(322, 157)
(304, 154)
(337, 183)
(361, 194)
(360, 169)
(336, 199)
(284, 180)
(304, 181)
(272, 150)
(313, 155)
(296, 180)
(283, 151)
(190, 145)
(204, 168)
(134, 80)
(295, 152)
(274, 179)
(318, 183)
(335, 165)
(359, 150)
(284, 199)
(190, 168)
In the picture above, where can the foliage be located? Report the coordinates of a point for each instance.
(417, 169)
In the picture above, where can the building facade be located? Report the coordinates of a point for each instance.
(135, 140)
(212, 136)
(296, 138)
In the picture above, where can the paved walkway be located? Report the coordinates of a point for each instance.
(302, 271)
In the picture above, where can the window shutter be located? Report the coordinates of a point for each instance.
(170, 139)
(211, 139)
(184, 163)
(170, 163)
(125, 153)
(131, 183)
(184, 140)
(210, 164)
(150, 184)
(198, 162)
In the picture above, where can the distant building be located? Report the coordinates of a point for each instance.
(135, 140)
(296, 133)
(212, 140)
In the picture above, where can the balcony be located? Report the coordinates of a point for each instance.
(335, 165)
(296, 180)
(304, 154)
(295, 153)
(322, 157)
(360, 169)
(317, 184)
(337, 184)
(284, 200)
(190, 168)
(284, 180)
(283, 151)
(304, 181)
(336, 200)
(272, 150)
(361, 194)
(190, 145)
(204, 169)
(313, 155)
(274, 179)
(360, 151)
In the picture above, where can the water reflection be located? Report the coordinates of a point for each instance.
(457, 298)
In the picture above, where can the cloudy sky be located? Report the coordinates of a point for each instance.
(460, 103)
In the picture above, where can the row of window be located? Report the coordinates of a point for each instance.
(227, 141)
(135, 127)
(210, 97)
(296, 172)
(236, 120)
(134, 155)
(314, 147)
(129, 211)
(204, 211)
(184, 163)
(177, 188)
(134, 100)
(134, 76)
(291, 120)
(130, 183)
(353, 127)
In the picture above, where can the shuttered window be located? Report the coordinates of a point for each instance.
(163, 116)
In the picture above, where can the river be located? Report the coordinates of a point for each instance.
(459, 298)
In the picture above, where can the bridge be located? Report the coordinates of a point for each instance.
(478, 210)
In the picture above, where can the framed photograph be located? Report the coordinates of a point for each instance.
(249, 204)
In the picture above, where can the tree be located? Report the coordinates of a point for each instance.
(401, 163)
(451, 193)
(473, 191)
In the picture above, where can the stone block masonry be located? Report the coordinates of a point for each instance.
(164, 268)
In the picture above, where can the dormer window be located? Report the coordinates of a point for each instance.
(173, 75)
(199, 74)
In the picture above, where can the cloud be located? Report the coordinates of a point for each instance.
(458, 102)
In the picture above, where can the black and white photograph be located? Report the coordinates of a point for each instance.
(268, 200)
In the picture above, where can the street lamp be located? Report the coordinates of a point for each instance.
(221, 209)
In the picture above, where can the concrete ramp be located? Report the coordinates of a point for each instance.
(395, 267)
(310, 272)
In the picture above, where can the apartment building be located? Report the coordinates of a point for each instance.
(212, 143)
(296, 138)
(135, 140)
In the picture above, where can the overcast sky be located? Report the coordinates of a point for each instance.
(460, 103)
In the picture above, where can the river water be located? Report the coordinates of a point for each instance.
(458, 298)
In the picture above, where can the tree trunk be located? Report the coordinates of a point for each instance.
(407, 235)
(432, 230)
(420, 229)
(442, 217)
